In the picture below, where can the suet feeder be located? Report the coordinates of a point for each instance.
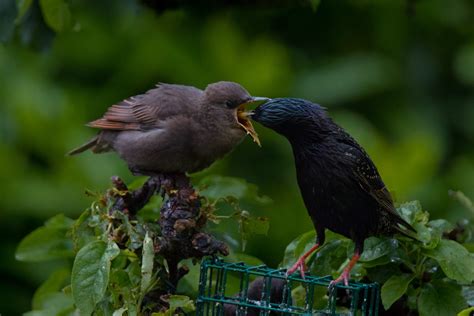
(298, 296)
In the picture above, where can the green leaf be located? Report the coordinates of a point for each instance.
(466, 312)
(55, 304)
(457, 263)
(249, 225)
(374, 248)
(394, 288)
(440, 298)
(411, 212)
(134, 273)
(120, 311)
(148, 255)
(82, 232)
(441, 226)
(330, 257)
(297, 247)
(56, 281)
(181, 301)
(254, 225)
(90, 274)
(56, 14)
(48, 242)
(23, 6)
(216, 187)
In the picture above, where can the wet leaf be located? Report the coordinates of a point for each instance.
(147, 264)
(394, 288)
(440, 298)
(90, 274)
(410, 211)
(457, 263)
(375, 248)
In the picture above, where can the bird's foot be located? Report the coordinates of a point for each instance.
(344, 277)
(299, 265)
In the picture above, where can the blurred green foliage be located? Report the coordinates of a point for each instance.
(398, 75)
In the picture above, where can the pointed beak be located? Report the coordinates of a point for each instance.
(260, 99)
(243, 114)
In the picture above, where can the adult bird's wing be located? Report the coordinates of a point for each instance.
(145, 111)
(368, 178)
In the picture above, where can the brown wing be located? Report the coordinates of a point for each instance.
(130, 114)
(144, 111)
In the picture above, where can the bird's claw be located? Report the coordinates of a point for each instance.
(343, 277)
(299, 265)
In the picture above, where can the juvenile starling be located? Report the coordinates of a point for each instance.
(341, 187)
(174, 128)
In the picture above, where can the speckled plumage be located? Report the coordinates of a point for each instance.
(172, 128)
(340, 184)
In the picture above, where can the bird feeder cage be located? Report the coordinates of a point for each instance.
(297, 296)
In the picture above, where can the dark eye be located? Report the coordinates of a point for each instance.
(229, 104)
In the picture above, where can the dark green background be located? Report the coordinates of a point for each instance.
(399, 75)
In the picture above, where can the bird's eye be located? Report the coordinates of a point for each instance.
(229, 104)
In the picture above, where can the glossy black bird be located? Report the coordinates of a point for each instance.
(174, 128)
(341, 187)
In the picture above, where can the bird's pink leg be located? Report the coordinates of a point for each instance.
(300, 264)
(345, 275)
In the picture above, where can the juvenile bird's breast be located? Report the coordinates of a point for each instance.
(212, 143)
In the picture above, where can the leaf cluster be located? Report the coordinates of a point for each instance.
(114, 268)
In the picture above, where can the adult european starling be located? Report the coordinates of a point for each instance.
(341, 187)
(174, 128)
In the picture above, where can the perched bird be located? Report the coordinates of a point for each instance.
(341, 187)
(174, 128)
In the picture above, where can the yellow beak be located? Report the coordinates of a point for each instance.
(243, 118)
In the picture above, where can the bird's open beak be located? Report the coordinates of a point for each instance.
(243, 117)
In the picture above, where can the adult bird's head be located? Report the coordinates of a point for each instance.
(290, 116)
(229, 101)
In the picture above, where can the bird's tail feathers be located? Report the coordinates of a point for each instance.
(89, 145)
(403, 228)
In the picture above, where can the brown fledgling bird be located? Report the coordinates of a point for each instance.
(174, 128)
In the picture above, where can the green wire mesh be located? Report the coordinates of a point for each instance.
(224, 290)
